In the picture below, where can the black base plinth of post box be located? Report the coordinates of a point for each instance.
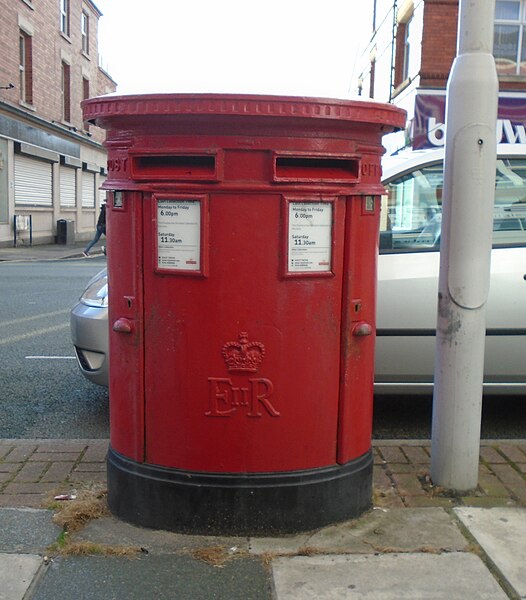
(237, 504)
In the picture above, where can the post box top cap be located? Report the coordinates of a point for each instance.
(99, 110)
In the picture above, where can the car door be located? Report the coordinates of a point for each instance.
(408, 281)
(505, 360)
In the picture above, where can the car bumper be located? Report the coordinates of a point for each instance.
(89, 334)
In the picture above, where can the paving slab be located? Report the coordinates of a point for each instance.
(289, 544)
(411, 576)
(26, 530)
(380, 530)
(110, 531)
(162, 577)
(17, 571)
(502, 534)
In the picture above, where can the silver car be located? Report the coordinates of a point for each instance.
(408, 269)
(89, 329)
(407, 281)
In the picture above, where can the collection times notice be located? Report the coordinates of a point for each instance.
(179, 235)
(310, 237)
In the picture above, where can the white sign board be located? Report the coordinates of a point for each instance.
(22, 222)
(310, 237)
(179, 235)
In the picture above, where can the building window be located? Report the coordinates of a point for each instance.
(85, 88)
(85, 96)
(64, 17)
(84, 29)
(509, 41)
(26, 68)
(400, 55)
(406, 50)
(406, 44)
(66, 92)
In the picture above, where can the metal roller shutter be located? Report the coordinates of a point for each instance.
(88, 190)
(102, 193)
(33, 181)
(68, 187)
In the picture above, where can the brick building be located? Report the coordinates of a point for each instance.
(51, 164)
(409, 59)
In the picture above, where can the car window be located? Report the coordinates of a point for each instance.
(412, 210)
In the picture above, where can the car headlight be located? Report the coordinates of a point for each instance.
(96, 294)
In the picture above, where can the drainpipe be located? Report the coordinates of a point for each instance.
(393, 44)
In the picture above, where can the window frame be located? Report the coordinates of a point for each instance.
(406, 50)
(520, 23)
(404, 20)
(25, 67)
(85, 96)
(388, 234)
(66, 91)
(65, 17)
(84, 30)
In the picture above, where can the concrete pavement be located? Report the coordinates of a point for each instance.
(417, 542)
(48, 251)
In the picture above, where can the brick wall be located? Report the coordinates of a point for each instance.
(439, 47)
(50, 48)
(439, 43)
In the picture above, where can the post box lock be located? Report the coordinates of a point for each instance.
(362, 329)
(123, 325)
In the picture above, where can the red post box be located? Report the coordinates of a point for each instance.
(242, 245)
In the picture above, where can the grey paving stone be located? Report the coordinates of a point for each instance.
(279, 545)
(502, 534)
(396, 529)
(110, 531)
(381, 530)
(452, 576)
(16, 574)
(26, 530)
(163, 577)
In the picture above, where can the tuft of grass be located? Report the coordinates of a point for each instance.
(309, 551)
(90, 549)
(267, 557)
(89, 504)
(62, 540)
(216, 556)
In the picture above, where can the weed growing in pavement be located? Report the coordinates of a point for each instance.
(74, 514)
(216, 556)
(67, 548)
(89, 504)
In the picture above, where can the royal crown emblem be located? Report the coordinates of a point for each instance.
(243, 356)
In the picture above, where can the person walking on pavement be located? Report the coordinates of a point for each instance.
(101, 229)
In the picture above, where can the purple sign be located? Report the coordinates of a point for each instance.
(430, 110)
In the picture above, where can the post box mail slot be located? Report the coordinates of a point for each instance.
(317, 168)
(242, 241)
(174, 167)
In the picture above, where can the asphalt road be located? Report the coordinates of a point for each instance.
(410, 417)
(42, 394)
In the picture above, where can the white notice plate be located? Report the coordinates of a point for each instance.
(310, 237)
(179, 235)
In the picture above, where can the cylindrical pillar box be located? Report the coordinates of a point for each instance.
(242, 245)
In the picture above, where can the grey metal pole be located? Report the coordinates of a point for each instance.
(467, 224)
